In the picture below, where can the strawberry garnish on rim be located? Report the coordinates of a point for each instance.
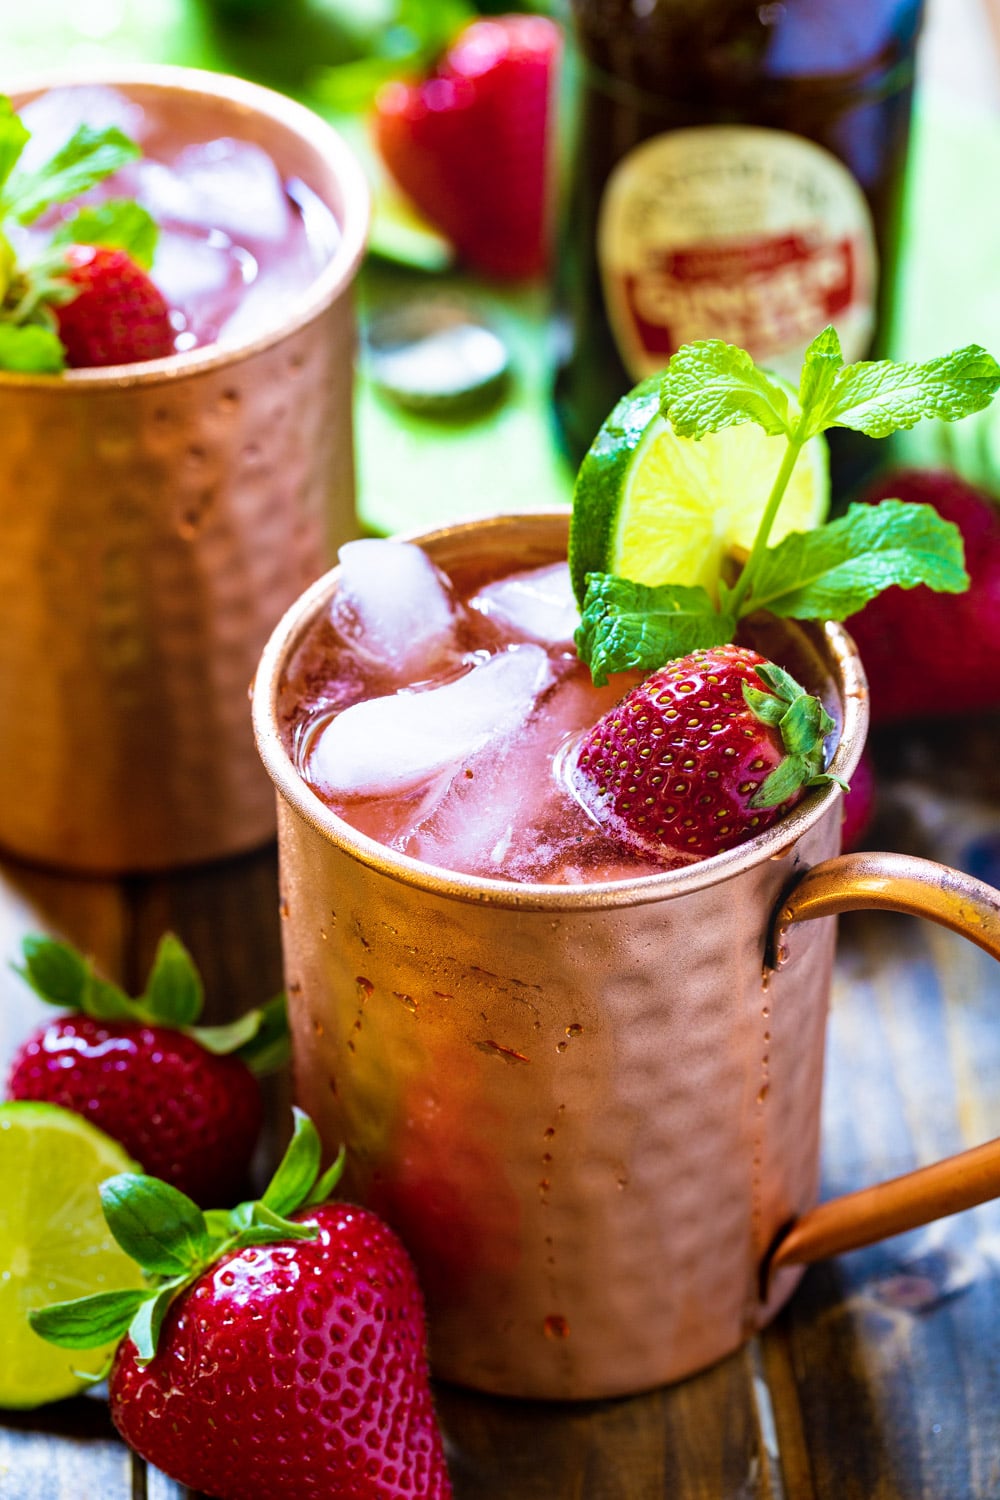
(116, 315)
(704, 754)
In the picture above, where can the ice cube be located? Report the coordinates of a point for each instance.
(398, 743)
(538, 605)
(393, 607)
(57, 114)
(232, 185)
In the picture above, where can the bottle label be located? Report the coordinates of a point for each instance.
(733, 232)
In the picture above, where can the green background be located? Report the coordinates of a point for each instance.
(417, 469)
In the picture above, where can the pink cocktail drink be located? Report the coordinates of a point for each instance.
(237, 237)
(442, 715)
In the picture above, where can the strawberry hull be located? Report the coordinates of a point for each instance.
(615, 1099)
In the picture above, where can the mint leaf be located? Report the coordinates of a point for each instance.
(27, 349)
(55, 971)
(832, 572)
(297, 1170)
(710, 384)
(626, 625)
(174, 994)
(13, 138)
(880, 397)
(822, 362)
(88, 1322)
(159, 1226)
(87, 158)
(119, 222)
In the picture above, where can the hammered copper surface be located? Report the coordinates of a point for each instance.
(157, 520)
(588, 1111)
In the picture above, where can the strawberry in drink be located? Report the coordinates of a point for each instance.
(454, 720)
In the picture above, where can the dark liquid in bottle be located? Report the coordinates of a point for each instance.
(685, 238)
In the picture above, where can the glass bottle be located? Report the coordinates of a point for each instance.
(735, 172)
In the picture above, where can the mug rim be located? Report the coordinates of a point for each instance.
(332, 278)
(639, 890)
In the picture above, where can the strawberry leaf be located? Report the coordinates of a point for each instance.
(56, 971)
(29, 349)
(298, 1169)
(709, 385)
(89, 1321)
(832, 572)
(144, 1329)
(158, 1226)
(259, 1038)
(87, 158)
(263, 1227)
(174, 993)
(626, 625)
(106, 1001)
(119, 222)
(329, 1180)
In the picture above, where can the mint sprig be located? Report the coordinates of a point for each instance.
(86, 159)
(29, 344)
(830, 572)
(173, 996)
(175, 1242)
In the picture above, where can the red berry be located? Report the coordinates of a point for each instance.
(859, 804)
(292, 1370)
(469, 145)
(930, 655)
(675, 767)
(118, 316)
(183, 1113)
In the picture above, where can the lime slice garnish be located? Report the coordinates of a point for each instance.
(54, 1243)
(658, 508)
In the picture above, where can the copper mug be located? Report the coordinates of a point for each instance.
(593, 1112)
(157, 519)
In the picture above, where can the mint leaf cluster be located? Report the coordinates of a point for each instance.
(29, 344)
(173, 996)
(174, 1242)
(828, 573)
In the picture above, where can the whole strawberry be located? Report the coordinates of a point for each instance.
(469, 144)
(703, 754)
(930, 655)
(273, 1356)
(182, 1100)
(116, 315)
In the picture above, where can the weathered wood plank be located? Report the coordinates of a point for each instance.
(65, 1452)
(700, 1440)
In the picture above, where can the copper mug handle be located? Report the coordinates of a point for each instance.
(891, 882)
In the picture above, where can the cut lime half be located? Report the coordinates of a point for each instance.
(54, 1243)
(658, 508)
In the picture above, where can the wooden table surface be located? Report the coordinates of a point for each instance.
(881, 1379)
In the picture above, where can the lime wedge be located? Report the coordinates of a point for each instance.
(658, 508)
(54, 1243)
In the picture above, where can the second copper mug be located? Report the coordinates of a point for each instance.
(593, 1113)
(156, 520)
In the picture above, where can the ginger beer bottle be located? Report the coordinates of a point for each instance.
(736, 173)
